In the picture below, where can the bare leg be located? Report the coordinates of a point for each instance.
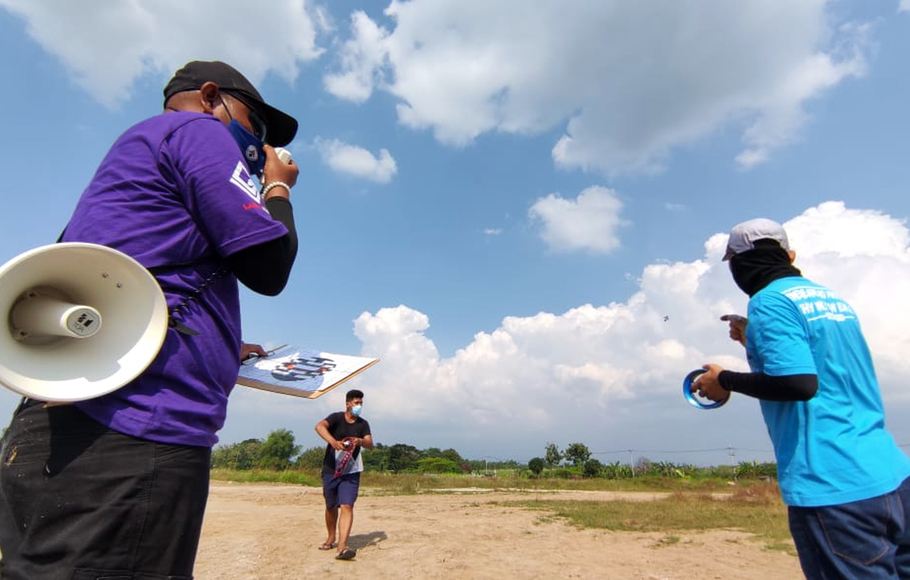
(345, 521)
(331, 519)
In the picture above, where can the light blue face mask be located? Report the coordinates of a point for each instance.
(250, 146)
(356, 409)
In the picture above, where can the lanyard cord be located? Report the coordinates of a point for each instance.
(180, 309)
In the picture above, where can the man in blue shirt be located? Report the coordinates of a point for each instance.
(845, 481)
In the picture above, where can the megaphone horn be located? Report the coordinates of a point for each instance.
(42, 313)
(82, 321)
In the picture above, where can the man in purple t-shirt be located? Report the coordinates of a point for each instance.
(116, 486)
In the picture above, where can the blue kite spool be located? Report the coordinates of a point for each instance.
(693, 400)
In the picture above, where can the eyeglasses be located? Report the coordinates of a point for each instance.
(257, 120)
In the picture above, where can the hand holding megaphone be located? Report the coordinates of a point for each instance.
(280, 173)
(283, 154)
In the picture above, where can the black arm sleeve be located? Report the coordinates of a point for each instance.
(769, 388)
(265, 268)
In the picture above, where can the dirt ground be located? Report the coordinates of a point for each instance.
(271, 532)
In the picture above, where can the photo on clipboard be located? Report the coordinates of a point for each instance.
(301, 372)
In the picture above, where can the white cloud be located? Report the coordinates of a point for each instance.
(610, 375)
(357, 161)
(492, 231)
(107, 46)
(783, 116)
(589, 222)
(904, 6)
(632, 80)
(628, 81)
(361, 59)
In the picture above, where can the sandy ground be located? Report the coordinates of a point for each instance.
(271, 532)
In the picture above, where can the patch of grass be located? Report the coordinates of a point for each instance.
(668, 541)
(267, 476)
(756, 510)
(385, 483)
(406, 483)
(403, 484)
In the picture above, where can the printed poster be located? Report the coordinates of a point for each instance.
(301, 372)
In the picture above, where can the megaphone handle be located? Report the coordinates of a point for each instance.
(180, 308)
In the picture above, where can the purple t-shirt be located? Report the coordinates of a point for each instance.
(174, 190)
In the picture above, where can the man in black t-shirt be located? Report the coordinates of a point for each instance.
(345, 433)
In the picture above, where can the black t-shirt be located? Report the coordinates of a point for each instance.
(339, 428)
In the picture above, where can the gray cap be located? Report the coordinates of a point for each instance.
(743, 236)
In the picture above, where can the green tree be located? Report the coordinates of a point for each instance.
(278, 450)
(437, 465)
(452, 455)
(553, 455)
(616, 470)
(449, 454)
(240, 456)
(536, 465)
(593, 468)
(377, 459)
(311, 458)
(403, 457)
(577, 453)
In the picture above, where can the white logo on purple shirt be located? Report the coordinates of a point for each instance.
(242, 179)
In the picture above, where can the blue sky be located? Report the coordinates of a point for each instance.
(520, 211)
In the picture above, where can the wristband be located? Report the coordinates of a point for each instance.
(268, 187)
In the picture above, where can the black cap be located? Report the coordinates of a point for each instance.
(282, 127)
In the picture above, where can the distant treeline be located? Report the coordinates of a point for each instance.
(280, 453)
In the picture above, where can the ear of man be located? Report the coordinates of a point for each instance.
(203, 100)
(210, 97)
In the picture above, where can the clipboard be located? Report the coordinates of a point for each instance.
(301, 372)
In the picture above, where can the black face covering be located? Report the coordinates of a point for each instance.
(755, 269)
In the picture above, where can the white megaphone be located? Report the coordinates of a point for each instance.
(81, 320)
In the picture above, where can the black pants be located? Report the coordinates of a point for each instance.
(79, 501)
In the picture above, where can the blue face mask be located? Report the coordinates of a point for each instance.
(355, 410)
(250, 145)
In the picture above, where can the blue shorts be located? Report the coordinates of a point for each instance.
(868, 539)
(339, 491)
